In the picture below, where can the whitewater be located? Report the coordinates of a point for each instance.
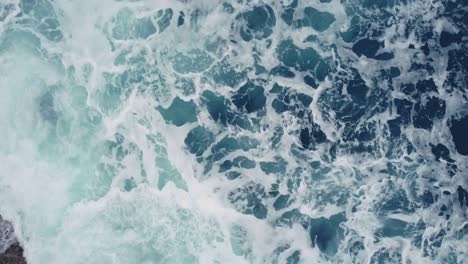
(243, 131)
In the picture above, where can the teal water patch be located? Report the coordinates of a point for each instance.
(230, 144)
(302, 59)
(238, 162)
(192, 62)
(277, 166)
(248, 199)
(220, 109)
(319, 21)
(250, 97)
(260, 22)
(166, 170)
(198, 140)
(180, 112)
(223, 74)
(308, 17)
(127, 26)
(42, 17)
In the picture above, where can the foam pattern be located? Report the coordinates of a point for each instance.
(247, 131)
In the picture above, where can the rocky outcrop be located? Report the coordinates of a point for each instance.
(13, 255)
(11, 251)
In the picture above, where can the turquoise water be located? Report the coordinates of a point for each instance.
(240, 131)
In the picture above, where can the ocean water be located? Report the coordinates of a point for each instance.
(244, 131)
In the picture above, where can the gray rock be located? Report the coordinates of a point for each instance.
(11, 251)
(7, 237)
